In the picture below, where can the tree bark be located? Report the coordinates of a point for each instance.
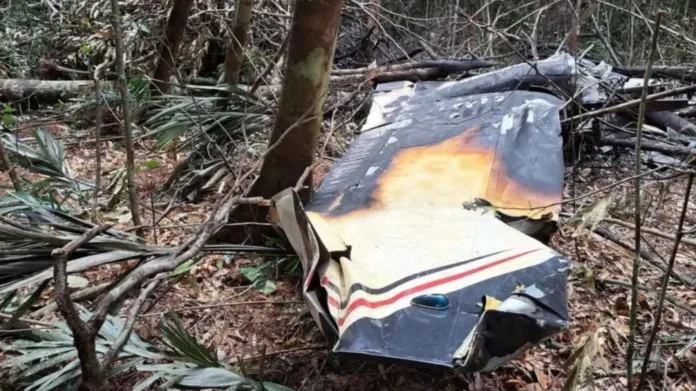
(298, 122)
(174, 33)
(678, 73)
(300, 111)
(126, 109)
(215, 53)
(41, 91)
(235, 50)
(667, 149)
(7, 165)
(671, 120)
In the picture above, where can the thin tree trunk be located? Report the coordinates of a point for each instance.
(125, 107)
(174, 33)
(637, 210)
(97, 145)
(215, 53)
(296, 129)
(298, 122)
(374, 8)
(235, 50)
(5, 160)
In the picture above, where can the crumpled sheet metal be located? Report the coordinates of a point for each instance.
(405, 248)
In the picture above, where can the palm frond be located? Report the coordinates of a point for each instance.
(31, 229)
(171, 116)
(209, 132)
(183, 345)
(47, 159)
(52, 362)
(35, 365)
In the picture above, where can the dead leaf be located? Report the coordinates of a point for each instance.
(583, 360)
(590, 217)
(541, 377)
(621, 305)
(643, 302)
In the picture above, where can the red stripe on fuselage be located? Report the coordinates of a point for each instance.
(419, 288)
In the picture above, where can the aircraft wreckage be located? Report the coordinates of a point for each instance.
(426, 241)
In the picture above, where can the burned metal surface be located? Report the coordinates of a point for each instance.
(418, 245)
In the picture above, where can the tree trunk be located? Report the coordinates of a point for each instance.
(375, 9)
(174, 33)
(126, 109)
(41, 91)
(235, 50)
(216, 52)
(298, 122)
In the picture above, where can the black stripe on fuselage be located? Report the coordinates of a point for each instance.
(377, 291)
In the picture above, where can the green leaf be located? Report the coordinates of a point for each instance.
(173, 131)
(183, 345)
(145, 27)
(8, 120)
(251, 273)
(116, 147)
(268, 386)
(26, 306)
(265, 286)
(85, 46)
(260, 276)
(212, 378)
(183, 268)
(152, 164)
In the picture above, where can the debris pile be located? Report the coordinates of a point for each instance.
(427, 241)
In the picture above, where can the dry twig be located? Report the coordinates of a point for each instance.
(637, 211)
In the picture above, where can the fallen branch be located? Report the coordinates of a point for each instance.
(648, 146)
(233, 304)
(651, 231)
(278, 353)
(413, 75)
(605, 42)
(646, 256)
(84, 334)
(271, 65)
(428, 49)
(447, 66)
(27, 321)
(671, 299)
(128, 327)
(678, 73)
(81, 295)
(667, 119)
(47, 92)
(166, 264)
(42, 91)
(630, 104)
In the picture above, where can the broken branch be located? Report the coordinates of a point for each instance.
(630, 104)
(651, 231)
(83, 333)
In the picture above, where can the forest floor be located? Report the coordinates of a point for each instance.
(268, 333)
(274, 330)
